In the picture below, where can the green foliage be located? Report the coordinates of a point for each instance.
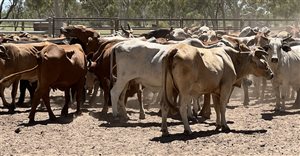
(158, 8)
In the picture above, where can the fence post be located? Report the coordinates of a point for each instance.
(53, 26)
(22, 26)
(117, 24)
(49, 26)
(181, 23)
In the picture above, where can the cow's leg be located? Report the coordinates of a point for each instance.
(64, 111)
(224, 99)
(5, 103)
(14, 90)
(277, 95)
(107, 96)
(35, 102)
(263, 89)
(206, 111)
(23, 85)
(293, 91)
(216, 101)
(189, 109)
(256, 87)
(116, 98)
(183, 102)
(284, 95)
(164, 115)
(245, 84)
(297, 101)
(80, 96)
(121, 104)
(140, 99)
(46, 100)
(95, 91)
(196, 106)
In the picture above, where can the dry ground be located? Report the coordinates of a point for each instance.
(255, 130)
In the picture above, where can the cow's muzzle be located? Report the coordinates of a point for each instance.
(274, 60)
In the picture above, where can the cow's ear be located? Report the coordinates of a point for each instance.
(3, 53)
(286, 48)
(259, 53)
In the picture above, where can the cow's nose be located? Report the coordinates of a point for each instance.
(274, 60)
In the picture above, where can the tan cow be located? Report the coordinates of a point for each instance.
(195, 71)
(59, 67)
(15, 58)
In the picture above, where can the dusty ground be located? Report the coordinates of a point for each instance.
(256, 130)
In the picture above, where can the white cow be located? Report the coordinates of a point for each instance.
(140, 61)
(286, 64)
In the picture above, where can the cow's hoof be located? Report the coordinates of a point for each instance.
(246, 104)
(187, 132)
(218, 127)
(78, 113)
(193, 119)
(204, 115)
(64, 113)
(31, 122)
(225, 129)
(124, 119)
(277, 109)
(104, 111)
(165, 133)
(53, 118)
(142, 116)
(11, 110)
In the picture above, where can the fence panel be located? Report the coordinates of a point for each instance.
(106, 26)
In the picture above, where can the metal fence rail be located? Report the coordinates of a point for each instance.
(51, 25)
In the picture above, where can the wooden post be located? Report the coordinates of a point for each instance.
(53, 27)
(49, 26)
(181, 23)
(23, 26)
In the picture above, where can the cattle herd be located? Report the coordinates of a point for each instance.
(178, 65)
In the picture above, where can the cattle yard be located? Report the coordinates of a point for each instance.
(125, 64)
(256, 130)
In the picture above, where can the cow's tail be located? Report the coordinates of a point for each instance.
(12, 76)
(168, 82)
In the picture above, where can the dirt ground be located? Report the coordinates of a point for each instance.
(255, 130)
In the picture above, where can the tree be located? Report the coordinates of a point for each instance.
(4, 14)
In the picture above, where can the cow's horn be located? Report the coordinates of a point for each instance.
(89, 63)
(129, 28)
(123, 29)
(289, 37)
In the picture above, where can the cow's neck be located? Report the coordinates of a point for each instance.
(241, 64)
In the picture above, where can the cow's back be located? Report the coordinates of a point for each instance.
(59, 69)
(141, 61)
(22, 57)
(208, 68)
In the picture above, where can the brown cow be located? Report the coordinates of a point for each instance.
(82, 33)
(195, 71)
(102, 58)
(59, 67)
